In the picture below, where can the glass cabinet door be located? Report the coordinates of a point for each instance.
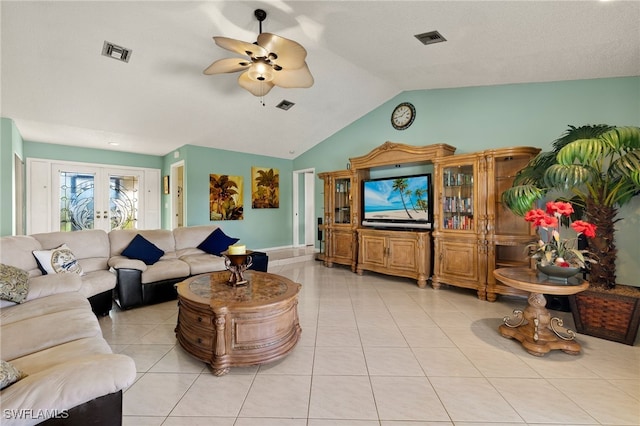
(342, 201)
(457, 198)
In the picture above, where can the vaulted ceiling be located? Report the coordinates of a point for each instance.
(58, 88)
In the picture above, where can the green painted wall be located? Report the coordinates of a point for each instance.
(477, 118)
(10, 145)
(260, 228)
(90, 155)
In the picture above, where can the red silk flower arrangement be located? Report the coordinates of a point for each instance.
(557, 251)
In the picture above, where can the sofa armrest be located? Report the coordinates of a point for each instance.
(69, 384)
(128, 291)
(123, 262)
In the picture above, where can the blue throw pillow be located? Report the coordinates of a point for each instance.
(217, 242)
(142, 249)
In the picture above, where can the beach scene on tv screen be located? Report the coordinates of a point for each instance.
(397, 199)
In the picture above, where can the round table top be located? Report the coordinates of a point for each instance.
(530, 280)
(261, 288)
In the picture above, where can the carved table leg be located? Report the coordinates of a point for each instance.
(537, 331)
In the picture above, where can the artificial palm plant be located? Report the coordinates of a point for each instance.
(600, 167)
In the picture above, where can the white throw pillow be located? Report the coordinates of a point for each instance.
(58, 260)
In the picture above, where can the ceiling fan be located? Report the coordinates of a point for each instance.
(272, 61)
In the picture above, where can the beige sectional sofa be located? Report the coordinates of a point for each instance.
(53, 336)
(91, 249)
(142, 284)
(70, 375)
(107, 274)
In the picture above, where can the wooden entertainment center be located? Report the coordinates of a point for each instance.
(472, 233)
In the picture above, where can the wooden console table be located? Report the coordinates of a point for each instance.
(233, 326)
(534, 327)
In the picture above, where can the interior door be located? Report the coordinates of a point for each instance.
(76, 192)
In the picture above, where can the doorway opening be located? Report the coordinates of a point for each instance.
(304, 226)
(176, 189)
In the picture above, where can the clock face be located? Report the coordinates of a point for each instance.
(403, 115)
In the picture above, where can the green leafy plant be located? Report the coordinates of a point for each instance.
(599, 167)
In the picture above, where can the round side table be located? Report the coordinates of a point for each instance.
(534, 327)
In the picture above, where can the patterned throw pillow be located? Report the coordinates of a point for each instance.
(58, 260)
(14, 283)
(9, 374)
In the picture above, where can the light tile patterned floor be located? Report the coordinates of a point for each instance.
(377, 350)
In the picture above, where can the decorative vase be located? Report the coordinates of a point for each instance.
(558, 273)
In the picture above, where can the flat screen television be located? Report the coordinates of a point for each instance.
(400, 202)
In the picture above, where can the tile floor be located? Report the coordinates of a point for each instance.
(377, 350)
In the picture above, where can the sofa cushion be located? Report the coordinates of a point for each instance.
(162, 238)
(48, 358)
(201, 263)
(14, 283)
(97, 282)
(190, 236)
(217, 242)
(58, 260)
(9, 374)
(37, 333)
(142, 249)
(16, 251)
(45, 305)
(167, 269)
(90, 246)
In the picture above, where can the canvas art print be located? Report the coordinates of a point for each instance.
(265, 188)
(225, 197)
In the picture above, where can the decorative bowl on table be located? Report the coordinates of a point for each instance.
(558, 273)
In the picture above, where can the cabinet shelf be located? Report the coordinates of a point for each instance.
(473, 221)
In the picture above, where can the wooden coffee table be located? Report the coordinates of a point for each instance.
(534, 327)
(235, 326)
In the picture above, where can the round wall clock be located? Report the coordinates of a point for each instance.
(403, 115)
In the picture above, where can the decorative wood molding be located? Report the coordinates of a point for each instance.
(392, 153)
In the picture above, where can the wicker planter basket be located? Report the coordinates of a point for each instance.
(606, 315)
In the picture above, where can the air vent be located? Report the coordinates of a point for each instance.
(431, 37)
(116, 52)
(285, 105)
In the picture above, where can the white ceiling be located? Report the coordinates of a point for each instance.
(58, 88)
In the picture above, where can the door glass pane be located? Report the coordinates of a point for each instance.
(123, 202)
(76, 201)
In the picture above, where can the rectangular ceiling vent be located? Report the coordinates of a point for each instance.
(116, 52)
(285, 105)
(431, 37)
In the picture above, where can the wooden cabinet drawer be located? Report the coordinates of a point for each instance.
(194, 316)
(197, 338)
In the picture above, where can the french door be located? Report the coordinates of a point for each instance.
(78, 196)
(95, 199)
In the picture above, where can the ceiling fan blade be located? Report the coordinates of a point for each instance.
(289, 54)
(227, 65)
(289, 78)
(257, 88)
(241, 47)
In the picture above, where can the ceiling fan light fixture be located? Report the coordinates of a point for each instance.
(273, 61)
(260, 70)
